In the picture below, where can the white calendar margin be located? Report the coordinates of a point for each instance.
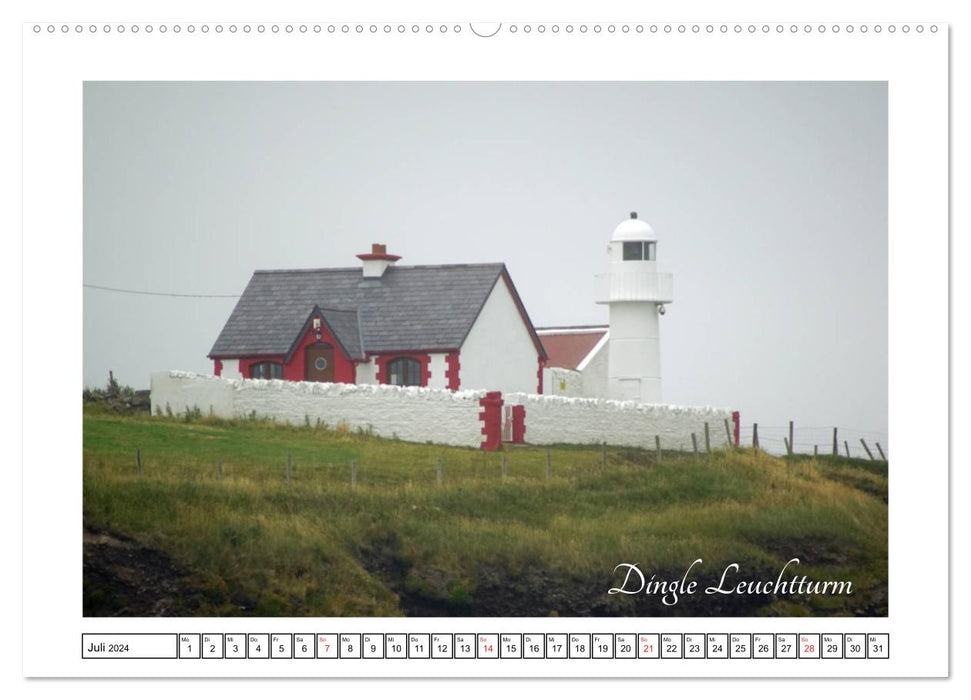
(914, 65)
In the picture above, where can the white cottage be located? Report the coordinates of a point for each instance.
(439, 326)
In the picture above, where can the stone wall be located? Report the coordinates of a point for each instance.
(561, 419)
(418, 414)
(415, 414)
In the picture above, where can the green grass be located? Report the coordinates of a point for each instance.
(398, 543)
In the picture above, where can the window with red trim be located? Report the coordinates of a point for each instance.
(266, 370)
(403, 371)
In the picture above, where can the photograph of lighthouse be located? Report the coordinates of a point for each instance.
(485, 349)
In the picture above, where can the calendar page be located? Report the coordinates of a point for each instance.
(541, 347)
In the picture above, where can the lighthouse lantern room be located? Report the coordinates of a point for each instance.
(636, 294)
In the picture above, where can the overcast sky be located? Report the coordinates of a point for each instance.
(769, 201)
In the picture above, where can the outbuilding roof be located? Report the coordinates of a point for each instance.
(569, 347)
(420, 307)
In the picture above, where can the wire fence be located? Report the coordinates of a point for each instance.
(378, 465)
(848, 442)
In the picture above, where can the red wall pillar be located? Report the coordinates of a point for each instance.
(519, 424)
(491, 417)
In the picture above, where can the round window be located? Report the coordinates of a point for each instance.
(320, 363)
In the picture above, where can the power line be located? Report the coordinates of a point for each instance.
(162, 294)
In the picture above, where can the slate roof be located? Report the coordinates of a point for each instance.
(421, 307)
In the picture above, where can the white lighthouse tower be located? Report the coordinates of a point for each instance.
(636, 293)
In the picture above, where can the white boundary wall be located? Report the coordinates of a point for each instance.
(445, 417)
(562, 419)
(180, 391)
(409, 413)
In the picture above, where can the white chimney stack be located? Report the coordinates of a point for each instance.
(377, 261)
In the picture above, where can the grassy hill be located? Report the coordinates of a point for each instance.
(184, 539)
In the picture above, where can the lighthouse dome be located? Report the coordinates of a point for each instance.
(633, 229)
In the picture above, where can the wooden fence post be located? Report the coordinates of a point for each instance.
(792, 442)
(657, 447)
(438, 471)
(869, 454)
(847, 446)
(694, 442)
(707, 438)
(353, 472)
(836, 449)
(880, 450)
(815, 450)
(788, 446)
(728, 432)
(504, 468)
(755, 435)
(138, 458)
